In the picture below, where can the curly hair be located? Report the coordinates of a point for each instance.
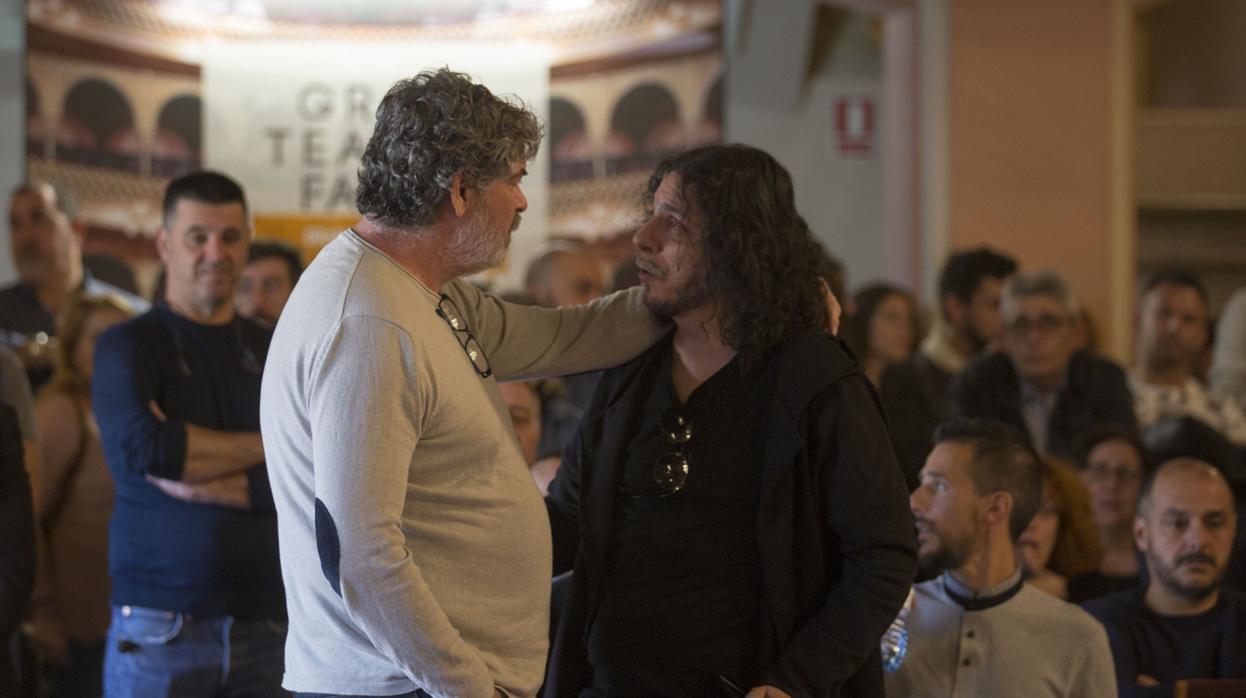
(760, 257)
(429, 128)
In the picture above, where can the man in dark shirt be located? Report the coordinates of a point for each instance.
(273, 268)
(1040, 383)
(47, 249)
(198, 606)
(1185, 624)
(917, 394)
(731, 503)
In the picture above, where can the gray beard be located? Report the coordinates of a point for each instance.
(472, 248)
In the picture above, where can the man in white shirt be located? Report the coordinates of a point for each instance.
(1173, 330)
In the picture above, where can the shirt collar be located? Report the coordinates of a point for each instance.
(973, 600)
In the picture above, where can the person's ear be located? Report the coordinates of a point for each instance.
(162, 245)
(954, 310)
(998, 508)
(460, 194)
(79, 230)
(1142, 537)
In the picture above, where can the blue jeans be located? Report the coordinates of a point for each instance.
(154, 653)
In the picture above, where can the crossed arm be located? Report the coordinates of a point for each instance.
(185, 461)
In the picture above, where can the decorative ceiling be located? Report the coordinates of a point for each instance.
(548, 21)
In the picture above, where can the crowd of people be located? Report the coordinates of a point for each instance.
(371, 477)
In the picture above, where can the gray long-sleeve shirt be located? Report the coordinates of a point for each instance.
(1031, 646)
(415, 547)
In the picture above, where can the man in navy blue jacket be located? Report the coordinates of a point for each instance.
(198, 606)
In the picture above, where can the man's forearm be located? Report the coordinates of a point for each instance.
(211, 454)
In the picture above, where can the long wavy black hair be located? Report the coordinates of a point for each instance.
(760, 257)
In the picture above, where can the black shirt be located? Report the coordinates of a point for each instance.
(21, 318)
(1210, 645)
(681, 599)
(1092, 585)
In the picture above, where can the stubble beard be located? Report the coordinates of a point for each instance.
(692, 294)
(474, 248)
(951, 554)
(1167, 576)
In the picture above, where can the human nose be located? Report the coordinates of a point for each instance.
(522, 204)
(644, 239)
(917, 501)
(214, 248)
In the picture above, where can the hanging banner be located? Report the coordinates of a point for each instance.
(289, 119)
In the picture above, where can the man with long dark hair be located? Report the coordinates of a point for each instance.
(732, 506)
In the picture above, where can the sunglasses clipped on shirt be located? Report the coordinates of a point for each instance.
(671, 472)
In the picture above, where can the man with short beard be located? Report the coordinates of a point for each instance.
(1173, 332)
(731, 505)
(918, 394)
(414, 547)
(1185, 624)
(977, 629)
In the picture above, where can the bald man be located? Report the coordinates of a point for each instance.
(564, 273)
(47, 250)
(1184, 624)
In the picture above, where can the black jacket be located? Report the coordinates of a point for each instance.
(917, 398)
(834, 531)
(1095, 392)
(17, 541)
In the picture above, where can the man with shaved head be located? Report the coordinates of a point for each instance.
(47, 242)
(1184, 624)
(564, 273)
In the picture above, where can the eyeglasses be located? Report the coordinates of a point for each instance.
(1102, 473)
(1043, 324)
(671, 472)
(475, 353)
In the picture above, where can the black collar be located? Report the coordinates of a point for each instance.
(981, 603)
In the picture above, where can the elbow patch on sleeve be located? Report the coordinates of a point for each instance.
(328, 546)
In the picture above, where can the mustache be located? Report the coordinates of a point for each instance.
(1196, 557)
(648, 267)
(515, 223)
(214, 266)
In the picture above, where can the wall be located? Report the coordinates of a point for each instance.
(1194, 54)
(785, 70)
(1038, 126)
(12, 118)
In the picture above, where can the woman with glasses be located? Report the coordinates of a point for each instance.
(1113, 463)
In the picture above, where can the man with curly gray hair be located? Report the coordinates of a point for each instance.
(415, 549)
